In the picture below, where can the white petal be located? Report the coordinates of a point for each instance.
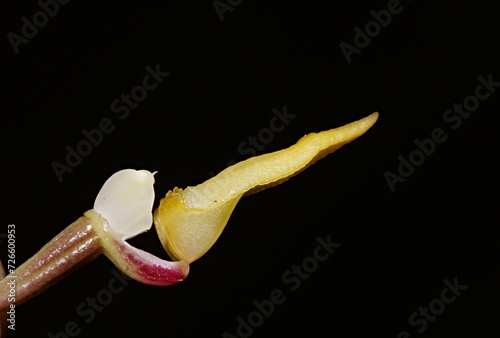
(126, 202)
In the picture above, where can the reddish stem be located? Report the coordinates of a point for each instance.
(71, 248)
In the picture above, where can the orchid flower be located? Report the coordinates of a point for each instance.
(188, 221)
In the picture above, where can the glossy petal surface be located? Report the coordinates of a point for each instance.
(126, 202)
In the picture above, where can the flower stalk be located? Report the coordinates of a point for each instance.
(71, 248)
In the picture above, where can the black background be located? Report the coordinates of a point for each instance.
(225, 79)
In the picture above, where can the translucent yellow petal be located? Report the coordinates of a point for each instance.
(190, 221)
